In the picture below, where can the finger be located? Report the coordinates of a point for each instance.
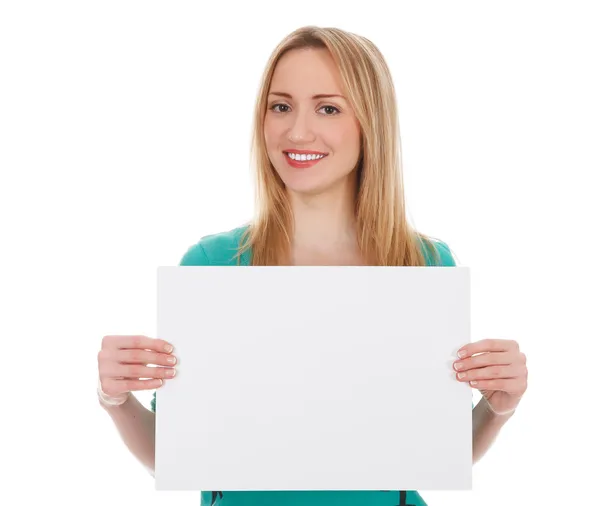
(137, 342)
(492, 372)
(144, 357)
(108, 356)
(487, 345)
(115, 387)
(484, 360)
(139, 371)
(511, 386)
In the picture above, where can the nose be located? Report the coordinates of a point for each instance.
(300, 131)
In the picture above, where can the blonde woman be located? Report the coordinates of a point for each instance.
(329, 192)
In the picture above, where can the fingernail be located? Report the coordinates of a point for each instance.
(462, 353)
(461, 375)
(168, 348)
(458, 366)
(171, 372)
(473, 383)
(171, 359)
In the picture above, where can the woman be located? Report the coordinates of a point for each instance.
(327, 154)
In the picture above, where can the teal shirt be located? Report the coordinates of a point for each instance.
(221, 249)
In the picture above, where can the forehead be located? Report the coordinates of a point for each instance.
(306, 72)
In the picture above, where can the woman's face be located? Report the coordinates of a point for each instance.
(311, 133)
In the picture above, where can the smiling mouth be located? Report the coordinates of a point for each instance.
(304, 157)
(303, 160)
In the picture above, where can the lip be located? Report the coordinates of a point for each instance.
(303, 152)
(297, 164)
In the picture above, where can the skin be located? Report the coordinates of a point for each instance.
(298, 120)
(322, 195)
(498, 369)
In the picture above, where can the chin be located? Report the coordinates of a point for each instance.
(311, 181)
(310, 186)
(304, 187)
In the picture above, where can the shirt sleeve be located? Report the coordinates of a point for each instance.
(446, 256)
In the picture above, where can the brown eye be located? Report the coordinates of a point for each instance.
(330, 110)
(277, 107)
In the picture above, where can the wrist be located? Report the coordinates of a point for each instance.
(499, 415)
(109, 401)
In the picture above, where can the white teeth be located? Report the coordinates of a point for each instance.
(304, 157)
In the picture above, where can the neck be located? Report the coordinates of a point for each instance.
(324, 221)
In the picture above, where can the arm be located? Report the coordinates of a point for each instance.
(136, 425)
(486, 423)
(486, 426)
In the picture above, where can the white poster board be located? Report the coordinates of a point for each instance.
(314, 378)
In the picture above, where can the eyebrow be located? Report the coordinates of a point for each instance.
(314, 97)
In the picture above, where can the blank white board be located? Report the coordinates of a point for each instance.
(314, 378)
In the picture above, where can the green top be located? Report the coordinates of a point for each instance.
(221, 249)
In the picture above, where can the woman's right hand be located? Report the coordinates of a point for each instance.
(123, 365)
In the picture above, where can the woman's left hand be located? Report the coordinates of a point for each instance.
(498, 369)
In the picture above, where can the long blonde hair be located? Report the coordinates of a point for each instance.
(385, 237)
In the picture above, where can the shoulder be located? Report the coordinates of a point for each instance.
(446, 255)
(441, 257)
(215, 249)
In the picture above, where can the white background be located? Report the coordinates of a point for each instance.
(124, 134)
